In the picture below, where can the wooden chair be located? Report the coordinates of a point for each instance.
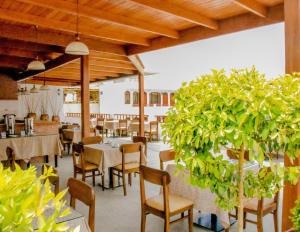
(123, 127)
(67, 139)
(165, 156)
(127, 168)
(163, 205)
(153, 131)
(100, 126)
(83, 167)
(11, 159)
(141, 139)
(92, 140)
(53, 180)
(84, 193)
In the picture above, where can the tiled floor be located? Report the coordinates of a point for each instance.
(114, 212)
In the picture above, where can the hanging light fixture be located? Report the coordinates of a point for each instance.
(34, 89)
(25, 90)
(76, 47)
(44, 87)
(36, 64)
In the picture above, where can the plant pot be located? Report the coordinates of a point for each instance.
(55, 118)
(44, 117)
(32, 115)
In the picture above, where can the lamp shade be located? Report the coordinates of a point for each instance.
(36, 65)
(44, 88)
(34, 90)
(77, 48)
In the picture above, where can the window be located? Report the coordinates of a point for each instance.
(127, 97)
(135, 98)
(73, 96)
(165, 99)
(172, 99)
(155, 98)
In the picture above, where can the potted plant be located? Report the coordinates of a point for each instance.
(24, 198)
(244, 112)
(296, 216)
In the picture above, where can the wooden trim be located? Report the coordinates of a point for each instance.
(292, 64)
(136, 61)
(63, 59)
(99, 15)
(172, 8)
(253, 6)
(69, 68)
(53, 24)
(85, 96)
(24, 53)
(141, 104)
(26, 33)
(226, 26)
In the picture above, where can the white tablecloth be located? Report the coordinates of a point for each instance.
(27, 147)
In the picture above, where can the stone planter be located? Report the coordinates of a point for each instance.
(44, 117)
(32, 115)
(55, 118)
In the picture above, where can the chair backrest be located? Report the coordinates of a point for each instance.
(123, 123)
(157, 177)
(153, 126)
(85, 193)
(77, 154)
(141, 139)
(54, 180)
(131, 148)
(92, 140)
(234, 154)
(165, 156)
(11, 159)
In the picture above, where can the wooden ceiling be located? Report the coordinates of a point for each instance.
(114, 31)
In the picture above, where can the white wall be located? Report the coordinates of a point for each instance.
(76, 108)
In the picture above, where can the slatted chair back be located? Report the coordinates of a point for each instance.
(54, 180)
(83, 192)
(92, 140)
(77, 154)
(129, 149)
(141, 139)
(165, 156)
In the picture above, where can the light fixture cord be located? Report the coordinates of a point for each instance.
(77, 20)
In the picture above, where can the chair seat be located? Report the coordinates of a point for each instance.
(88, 166)
(253, 204)
(128, 166)
(67, 141)
(176, 203)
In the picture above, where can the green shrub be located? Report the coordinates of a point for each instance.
(24, 197)
(296, 216)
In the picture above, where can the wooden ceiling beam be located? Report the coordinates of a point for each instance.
(75, 73)
(113, 64)
(24, 53)
(52, 83)
(14, 62)
(253, 6)
(70, 28)
(97, 14)
(176, 10)
(136, 61)
(98, 69)
(63, 59)
(227, 26)
(47, 37)
(108, 56)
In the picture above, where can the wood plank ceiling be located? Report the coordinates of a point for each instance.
(114, 31)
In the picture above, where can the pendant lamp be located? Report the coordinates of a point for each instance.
(36, 64)
(44, 87)
(76, 47)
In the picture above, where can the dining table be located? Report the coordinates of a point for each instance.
(108, 155)
(134, 127)
(73, 220)
(28, 147)
(211, 216)
(111, 125)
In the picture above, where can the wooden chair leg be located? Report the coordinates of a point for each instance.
(75, 173)
(129, 179)
(244, 220)
(260, 223)
(94, 181)
(275, 217)
(113, 180)
(190, 220)
(143, 221)
(182, 215)
(124, 184)
(83, 176)
(167, 224)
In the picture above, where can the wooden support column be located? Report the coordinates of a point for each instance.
(141, 103)
(85, 95)
(292, 64)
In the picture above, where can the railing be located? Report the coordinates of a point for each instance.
(109, 116)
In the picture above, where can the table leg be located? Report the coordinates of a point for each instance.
(55, 161)
(46, 159)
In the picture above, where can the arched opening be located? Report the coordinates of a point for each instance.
(165, 99)
(155, 98)
(127, 97)
(135, 98)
